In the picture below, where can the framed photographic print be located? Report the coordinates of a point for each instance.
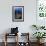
(17, 13)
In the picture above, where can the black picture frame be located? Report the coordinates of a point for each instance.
(17, 13)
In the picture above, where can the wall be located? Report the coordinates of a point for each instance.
(6, 15)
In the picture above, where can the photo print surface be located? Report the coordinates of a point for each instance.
(18, 13)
